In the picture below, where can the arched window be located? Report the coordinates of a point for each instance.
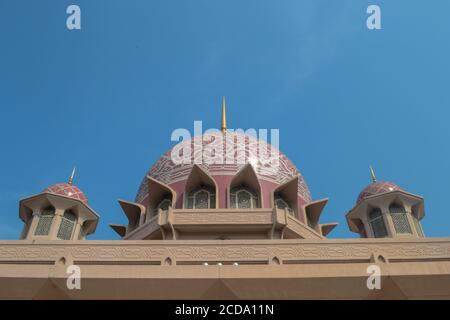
(201, 198)
(377, 223)
(244, 198)
(45, 221)
(280, 203)
(67, 225)
(399, 218)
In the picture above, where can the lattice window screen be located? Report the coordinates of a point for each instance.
(45, 222)
(400, 219)
(377, 223)
(67, 225)
(201, 198)
(243, 198)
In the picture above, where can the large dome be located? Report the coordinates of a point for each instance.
(270, 173)
(68, 190)
(378, 187)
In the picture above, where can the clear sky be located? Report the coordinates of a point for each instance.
(107, 97)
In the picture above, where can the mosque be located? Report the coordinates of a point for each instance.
(241, 230)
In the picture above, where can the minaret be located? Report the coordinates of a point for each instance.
(372, 174)
(384, 210)
(223, 128)
(60, 212)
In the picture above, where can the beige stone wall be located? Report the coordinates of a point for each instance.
(267, 269)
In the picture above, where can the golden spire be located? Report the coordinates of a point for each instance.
(72, 176)
(223, 128)
(372, 173)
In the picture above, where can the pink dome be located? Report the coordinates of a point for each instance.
(377, 188)
(270, 174)
(65, 189)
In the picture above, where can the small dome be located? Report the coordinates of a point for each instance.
(377, 188)
(68, 190)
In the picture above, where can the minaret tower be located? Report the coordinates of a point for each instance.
(383, 210)
(59, 212)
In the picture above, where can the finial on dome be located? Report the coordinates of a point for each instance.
(223, 128)
(72, 176)
(372, 173)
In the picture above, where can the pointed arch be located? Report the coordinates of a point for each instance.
(326, 228)
(135, 213)
(418, 210)
(247, 180)
(397, 204)
(159, 192)
(313, 210)
(198, 180)
(120, 229)
(287, 192)
(357, 225)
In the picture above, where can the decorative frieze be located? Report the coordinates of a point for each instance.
(223, 251)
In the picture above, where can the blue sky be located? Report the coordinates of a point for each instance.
(106, 98)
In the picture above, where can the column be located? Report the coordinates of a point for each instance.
(55, 224)
(33, 225)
